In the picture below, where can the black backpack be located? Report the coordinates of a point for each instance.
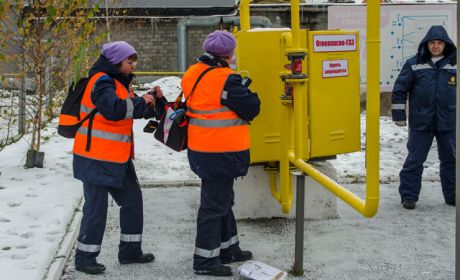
(69, 118)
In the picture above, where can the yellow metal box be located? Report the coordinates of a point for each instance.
(260, 54)
(333, 92)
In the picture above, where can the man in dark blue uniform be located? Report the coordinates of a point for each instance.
(429, 80)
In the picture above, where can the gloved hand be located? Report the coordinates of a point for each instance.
(156, 92)
(149, 99)
(400, 123)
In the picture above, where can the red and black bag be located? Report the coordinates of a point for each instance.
(175, 135)
(172, 129)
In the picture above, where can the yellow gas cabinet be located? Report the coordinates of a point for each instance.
(332, 117)
(308, 82)
(261, 55)
(333, 92)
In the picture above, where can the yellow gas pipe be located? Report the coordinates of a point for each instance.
(368, 207)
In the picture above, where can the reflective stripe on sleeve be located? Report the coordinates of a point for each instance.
(85, 109)
(129, 108)
(88, 248)
(233, 240)
(207, 253)
(105, 135)
(421, 66)
(217, 123)
(131, 237)
(398, 106)
(207, 112)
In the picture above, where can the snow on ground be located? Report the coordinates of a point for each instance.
(36, 205)
(8, 117)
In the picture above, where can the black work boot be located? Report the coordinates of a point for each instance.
(96, 268)
(240, 257)
(408, 204)
(222, 270)
(145, 258)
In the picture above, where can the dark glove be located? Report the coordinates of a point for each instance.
(151, 126)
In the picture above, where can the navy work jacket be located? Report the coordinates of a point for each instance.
(430, 87)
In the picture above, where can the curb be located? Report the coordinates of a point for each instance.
(56, 267)
(169, 183)
(383, 180)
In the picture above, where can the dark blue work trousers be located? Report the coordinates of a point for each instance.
(129, 198)
(216, 226)
(418, 145)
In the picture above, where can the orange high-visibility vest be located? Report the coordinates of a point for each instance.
(111, 141)
(212, 126)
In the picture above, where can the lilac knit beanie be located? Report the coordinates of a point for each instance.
(117, 51)
(220, 43)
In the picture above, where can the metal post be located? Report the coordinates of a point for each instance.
(457, 167)
(299, 224)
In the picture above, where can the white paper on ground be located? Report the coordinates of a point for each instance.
(256, 270)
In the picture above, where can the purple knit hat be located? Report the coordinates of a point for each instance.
(220, 43)
(117, 51)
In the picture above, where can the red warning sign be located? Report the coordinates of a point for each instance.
(334, 43)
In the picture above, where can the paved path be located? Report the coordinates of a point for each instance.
(396, 244)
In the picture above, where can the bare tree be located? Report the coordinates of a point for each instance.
(114, 16)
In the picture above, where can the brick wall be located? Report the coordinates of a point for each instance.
(156, 39)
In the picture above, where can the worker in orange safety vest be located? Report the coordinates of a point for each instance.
(103, 156)
(220, 110)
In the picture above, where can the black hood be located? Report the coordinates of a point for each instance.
(437, 32)
(103, 65)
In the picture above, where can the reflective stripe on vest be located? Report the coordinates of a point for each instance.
(217, 123)
(106, 135)
(207, 112)
(111, 141)
(449, 67)
(416, 67)
(212, 127)
(129, 109)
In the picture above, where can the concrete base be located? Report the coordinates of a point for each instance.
(253, 198)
